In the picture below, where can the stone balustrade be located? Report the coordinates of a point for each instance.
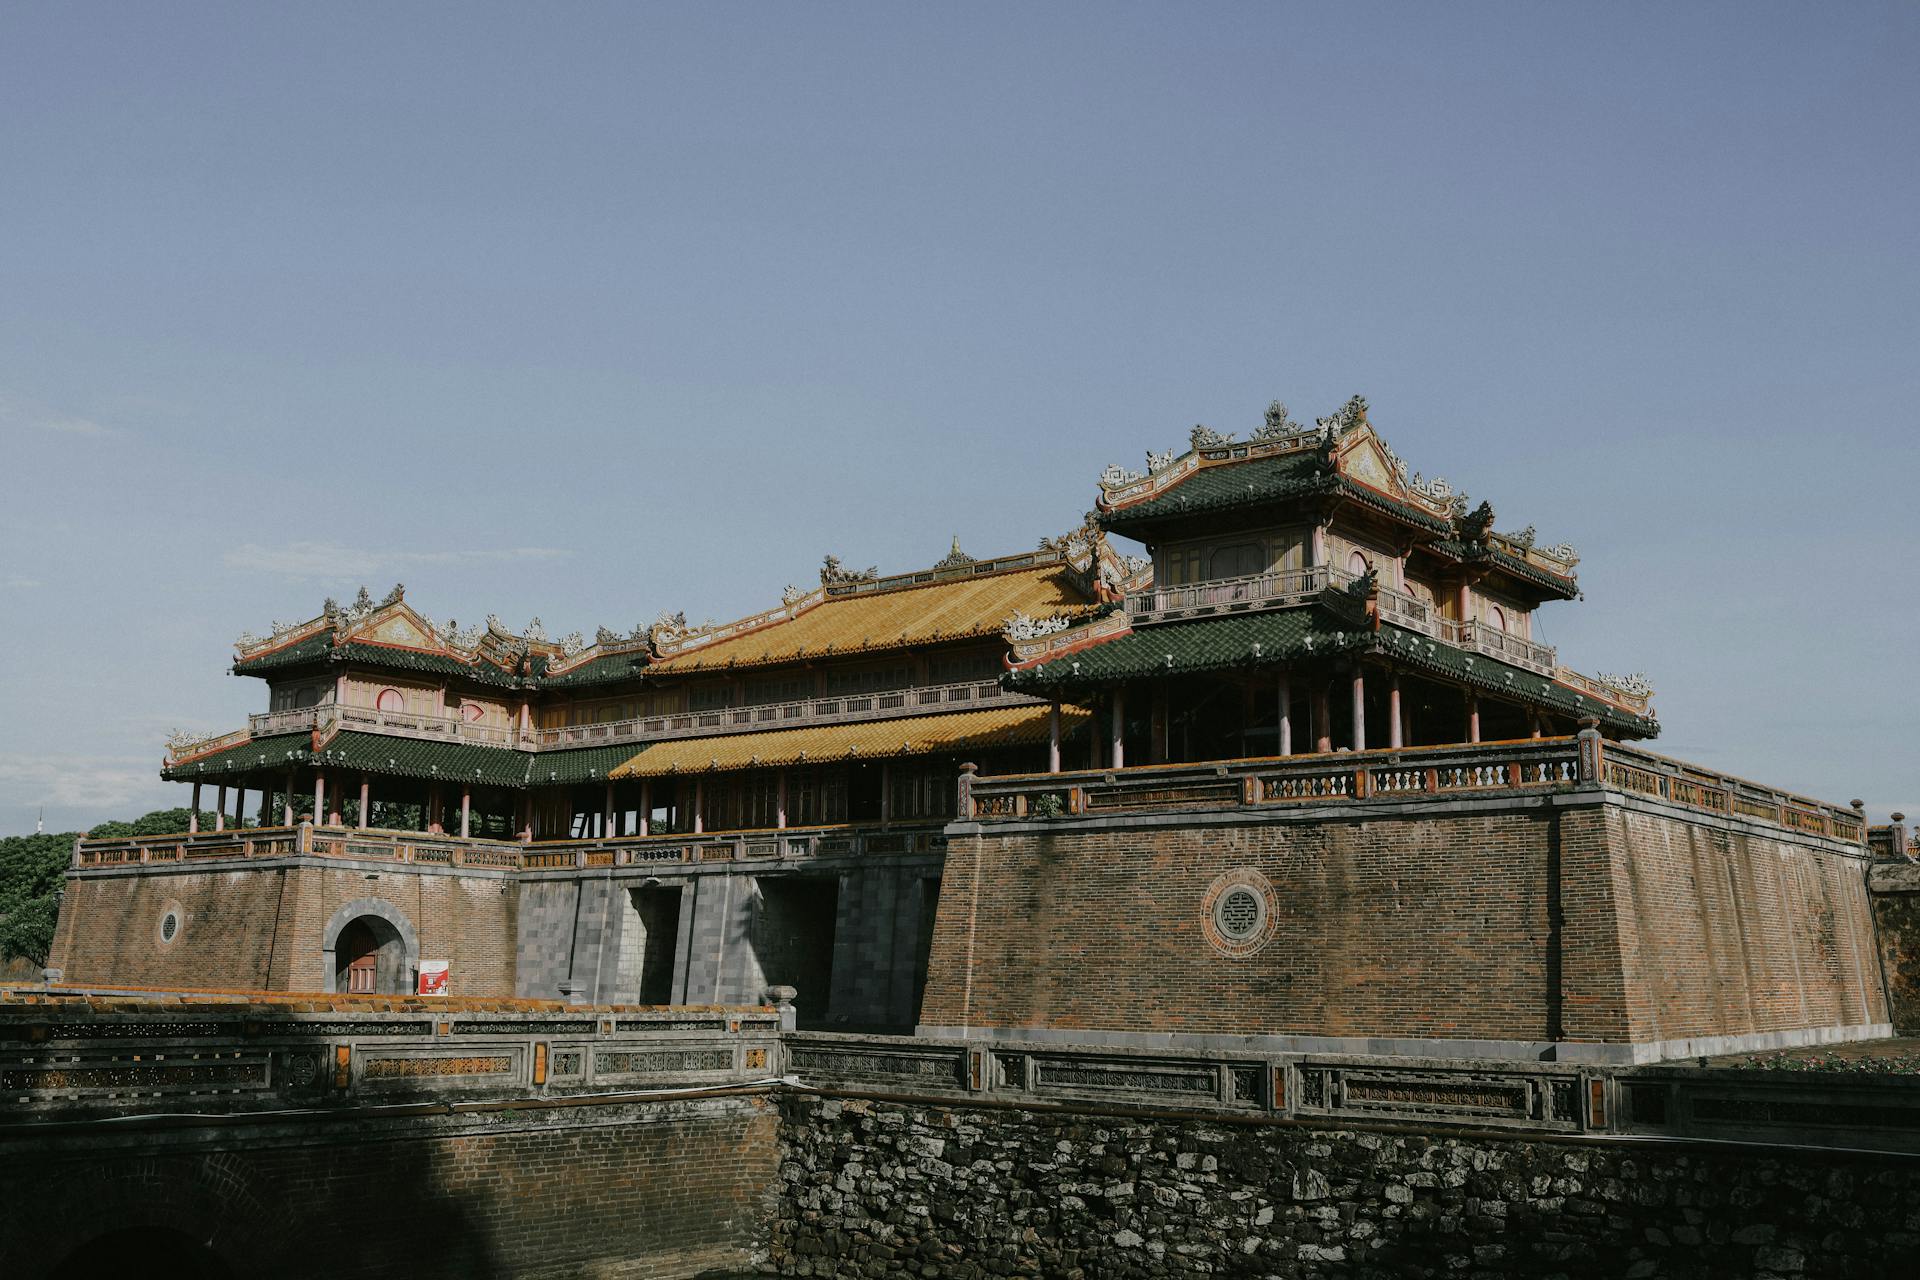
(136, 1052)
(367, 844)
(1523, 764)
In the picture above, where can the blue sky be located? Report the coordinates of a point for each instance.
(590, 311)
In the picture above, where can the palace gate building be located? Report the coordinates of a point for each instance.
(1301, 776)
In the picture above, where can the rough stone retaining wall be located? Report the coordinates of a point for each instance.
(884, 1188)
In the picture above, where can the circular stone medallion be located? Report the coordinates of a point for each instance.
(1237, 915)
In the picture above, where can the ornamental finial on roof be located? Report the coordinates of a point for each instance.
(1204, 437)
(955, 558)
(1277, 423)
(1347, 417)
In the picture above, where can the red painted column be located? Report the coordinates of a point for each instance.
(1322, 720)
(1473, 718)
(220, 809)
(1286, 715)
(1119, 760)
(193, 818)
(365, 804)
(1053, 737)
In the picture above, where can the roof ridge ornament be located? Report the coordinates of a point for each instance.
(1350, 416)
(1277, 425)
(1205, 437)
(835, 574)
(954, 559)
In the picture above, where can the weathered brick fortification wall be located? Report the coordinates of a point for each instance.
(1728, 932)
(661, 1190)
(1521, 922)
(259, 928)
(1895, 887)
(890, 1189)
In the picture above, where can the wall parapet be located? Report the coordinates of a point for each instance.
(1792, 1108)
(131, 1054)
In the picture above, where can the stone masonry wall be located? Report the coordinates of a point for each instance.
(1896, 913)
(872, 1188)
(262, 928)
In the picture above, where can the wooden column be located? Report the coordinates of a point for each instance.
(220, 809)
(266, 802)
(1158, 730)
(699, 805)
(1319, 544)
(1473, 717)
(365, 803)
(1286, 715)
(240, 803)
(193, 818)
(606, 814)
(646, 804)
(1322, 718)
(780, 799)
(1396, 731)
(432, 814)
(1359, 711)
(886, 792)
(1533, 724)
(1053, 737)
(466, 810)
(1119, 716)
(286, 806)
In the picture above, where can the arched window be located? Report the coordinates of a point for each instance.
(471, 711)
(389, 700)
(1497, 617)
(1357, 565)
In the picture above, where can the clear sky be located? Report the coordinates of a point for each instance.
(590, 311)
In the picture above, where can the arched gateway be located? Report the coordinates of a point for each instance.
(369, 948)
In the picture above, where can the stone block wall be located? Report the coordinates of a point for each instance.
(1503, 925)
(1895, 887)
(871, 1188)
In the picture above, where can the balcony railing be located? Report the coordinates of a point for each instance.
(401, 724)
(1280, 590)
(1226, 784)
(1292, 588)
(799, 714)
(1531, 764)
(369, 844)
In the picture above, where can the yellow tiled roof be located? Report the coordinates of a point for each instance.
(854, 624)
(875, 740)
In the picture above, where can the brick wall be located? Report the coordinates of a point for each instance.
(262, 928)
(1520, 920)
(665, 1190)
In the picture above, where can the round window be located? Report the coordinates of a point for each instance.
(1238, 915)
(169, 924)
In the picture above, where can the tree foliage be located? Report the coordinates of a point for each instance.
(30, 877)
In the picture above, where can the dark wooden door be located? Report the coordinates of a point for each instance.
(361, 957)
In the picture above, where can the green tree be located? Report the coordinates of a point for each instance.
(31, 869)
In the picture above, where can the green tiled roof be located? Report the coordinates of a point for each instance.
(314, 648)
(586, 764)
(421, 758)
(1258, 482)
(1499, 677)
(1207, 644)
(1213, 644)
(395, 757)
(279, 751)
(1479, 553)
(614, 667)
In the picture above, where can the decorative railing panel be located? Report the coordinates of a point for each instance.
(1645, 773)
(129, 1055)
(428, 849)
(1536, 763)
(799, 714)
